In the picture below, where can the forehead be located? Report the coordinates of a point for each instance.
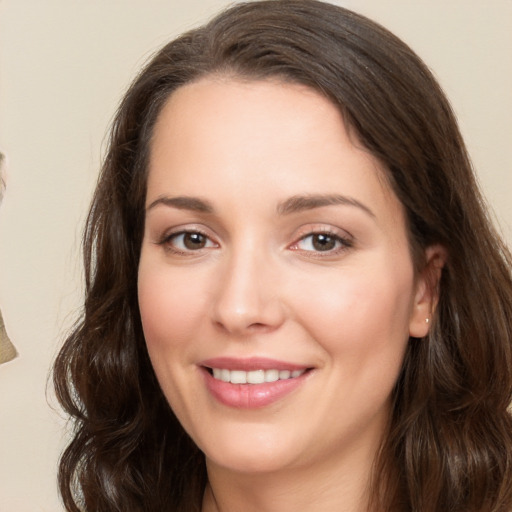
(259, 137)
(241, 108)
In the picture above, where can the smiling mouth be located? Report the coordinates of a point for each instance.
(254, 376)
(252, 383)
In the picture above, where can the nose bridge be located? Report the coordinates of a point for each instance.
(247, 296)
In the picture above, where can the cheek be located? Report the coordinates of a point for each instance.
(360, 314)
(170, 307)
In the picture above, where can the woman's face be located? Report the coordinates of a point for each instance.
(276, 286)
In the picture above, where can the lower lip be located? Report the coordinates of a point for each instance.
(251, 396)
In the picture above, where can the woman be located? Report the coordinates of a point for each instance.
(294, 298)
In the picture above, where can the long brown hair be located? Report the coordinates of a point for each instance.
(449, 445)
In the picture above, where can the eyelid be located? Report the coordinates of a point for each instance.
(342, 236)
(169, 234)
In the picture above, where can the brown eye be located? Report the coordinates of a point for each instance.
(194, 241)
(322, 242)
(189, 241)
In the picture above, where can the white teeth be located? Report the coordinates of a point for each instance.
(238, 377)
(254, 376)
(271, 375)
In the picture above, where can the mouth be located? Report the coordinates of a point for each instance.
(252, 383)
(254, 376)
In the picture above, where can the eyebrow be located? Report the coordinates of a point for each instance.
(296, 204)
(183, 203)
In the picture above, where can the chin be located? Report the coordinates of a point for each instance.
(249, 464)
(259, 453)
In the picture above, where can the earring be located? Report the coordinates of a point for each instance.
(427, 320)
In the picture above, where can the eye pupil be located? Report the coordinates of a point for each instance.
(322, 242)
(194, 241)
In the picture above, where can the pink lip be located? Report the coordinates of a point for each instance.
(250, 396)
(252, 363)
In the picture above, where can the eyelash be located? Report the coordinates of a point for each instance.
(169, 246)
(343, 243)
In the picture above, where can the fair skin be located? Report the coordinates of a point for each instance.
(273, 243)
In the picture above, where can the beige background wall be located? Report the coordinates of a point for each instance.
(63, 67)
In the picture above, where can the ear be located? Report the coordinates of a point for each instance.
(427, 291)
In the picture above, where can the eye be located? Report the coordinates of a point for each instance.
(187, 241)
(321, 242)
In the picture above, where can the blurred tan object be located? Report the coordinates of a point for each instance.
(2, 182)
(7, 350)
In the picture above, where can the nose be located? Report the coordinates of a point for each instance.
(247, 298)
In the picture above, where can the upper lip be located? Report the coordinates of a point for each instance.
(250, 364)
